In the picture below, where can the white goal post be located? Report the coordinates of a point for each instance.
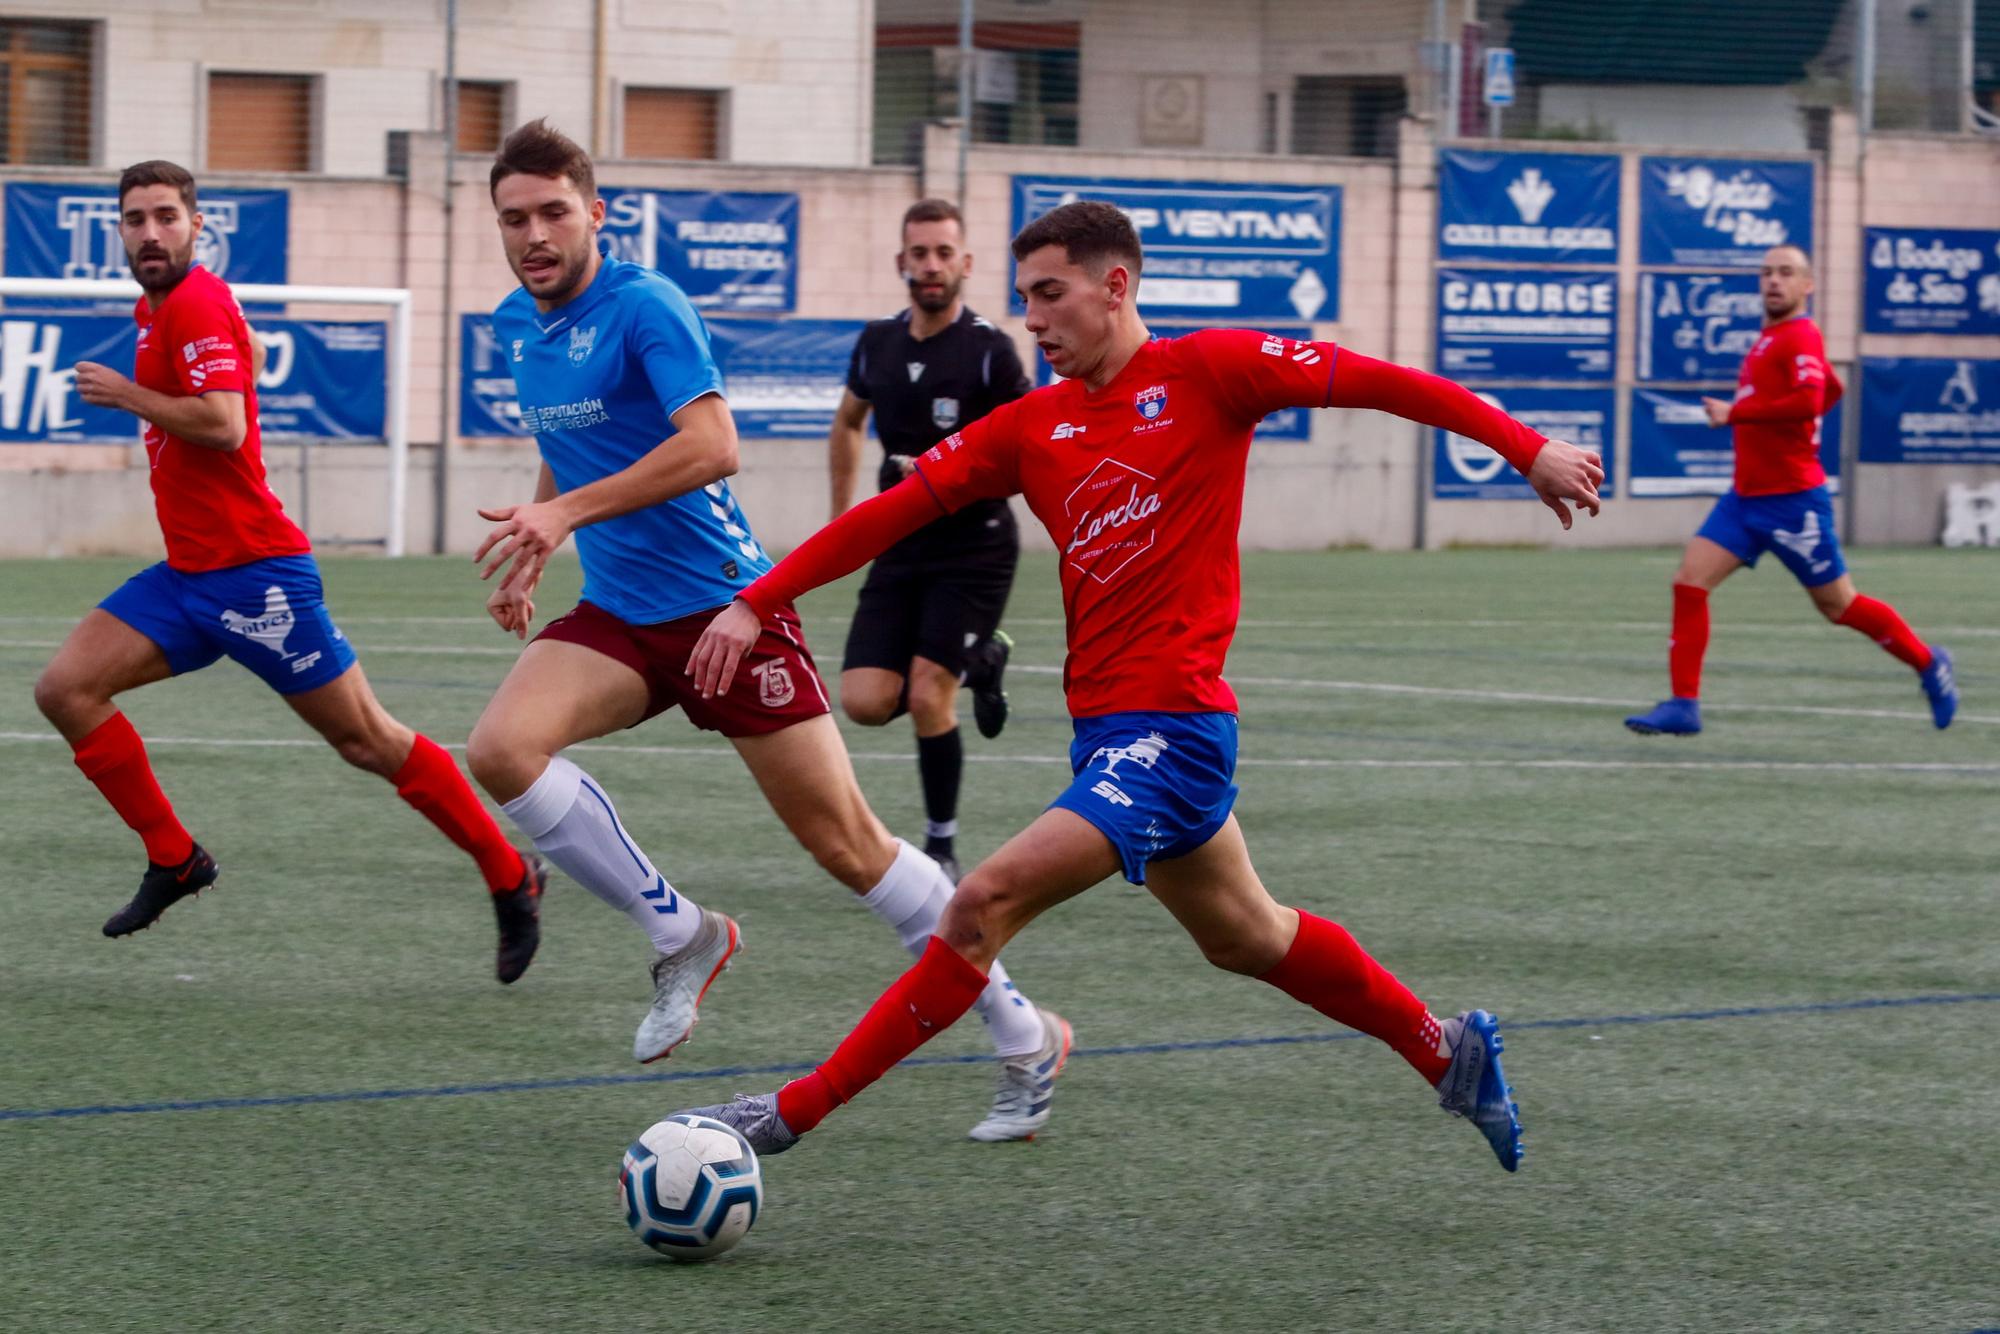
(396, 394)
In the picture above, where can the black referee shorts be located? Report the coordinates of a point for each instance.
(929, 609)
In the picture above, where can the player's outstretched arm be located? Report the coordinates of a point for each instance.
(842, 547)
(1562, 474)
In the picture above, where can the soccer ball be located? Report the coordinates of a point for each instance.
(691, 1187)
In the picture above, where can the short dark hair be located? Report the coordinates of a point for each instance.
(1089, 231)
(157, 172)
(933, 210)
(539, 149)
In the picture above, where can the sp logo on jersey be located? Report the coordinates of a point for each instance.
(1151, 401)
(581, 343)
(774, 684)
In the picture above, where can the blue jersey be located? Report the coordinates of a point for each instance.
(599, 380)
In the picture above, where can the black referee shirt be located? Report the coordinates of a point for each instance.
(922, 391)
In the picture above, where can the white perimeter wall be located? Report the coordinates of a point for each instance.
(1357, 481)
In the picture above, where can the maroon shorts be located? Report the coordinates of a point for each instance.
(776, 684)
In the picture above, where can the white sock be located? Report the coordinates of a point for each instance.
(911, 898)
(575, 826)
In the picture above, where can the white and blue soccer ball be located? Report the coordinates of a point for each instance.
(691, 1187)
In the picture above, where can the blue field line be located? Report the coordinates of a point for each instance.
(1081, 1053)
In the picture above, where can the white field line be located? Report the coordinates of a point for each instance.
(901, 757)
(1657, 626)
(1525, 697)
(1295, 683)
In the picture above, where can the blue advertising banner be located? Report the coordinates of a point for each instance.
(38, 356)
(71, 231)
(783, 378)
(1557, 208)
(1293, 424)
(1722, 212)
(1675, 452)
(731, 252)
(1217, 253)
(630, 225)
(1697, 326)
(1526, 324)
(1929, 410)
(322, 379)
(1931, 280)
(328, 380)
(1463, 469)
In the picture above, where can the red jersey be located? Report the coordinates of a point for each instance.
(1785, 387)
(1140, 484)
(214, 506)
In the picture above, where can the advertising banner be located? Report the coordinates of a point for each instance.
(1722, 212)
(1526, 324)
(1931, 280)
(326, 380)
(1929, 410)
(1547, 208)
(1218, 253)
(1697, 327)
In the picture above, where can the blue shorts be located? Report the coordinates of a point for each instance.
(269, 615)
(1798, 526)
(1158, 785)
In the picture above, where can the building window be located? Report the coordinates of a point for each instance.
(482, 116)
(1343, 117)
(672, 123)
(44, 93)
(260, 122)
(1023, 80)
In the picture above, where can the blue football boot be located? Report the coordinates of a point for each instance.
(1670, 717)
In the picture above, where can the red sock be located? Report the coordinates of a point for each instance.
(1689, 643)
(431, 782)
(1327, 970)
(1879, 621)
(114, 758)
(919, 1005)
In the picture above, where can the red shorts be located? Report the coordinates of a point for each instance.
(776, 684)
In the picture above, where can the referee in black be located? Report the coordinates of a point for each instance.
(929, 614)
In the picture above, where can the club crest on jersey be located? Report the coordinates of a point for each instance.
(517, 347)
(944, 413)
(1151, 401)
(774, 684)
(581, 343)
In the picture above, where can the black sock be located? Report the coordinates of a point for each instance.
(940, 763)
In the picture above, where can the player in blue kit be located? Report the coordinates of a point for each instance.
(617, 384)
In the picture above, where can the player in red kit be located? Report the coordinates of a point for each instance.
(1778, 502)
(239, 580)
(1135, 465)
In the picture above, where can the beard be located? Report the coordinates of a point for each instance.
(933, 302)
(167, 272)
(568, 277)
